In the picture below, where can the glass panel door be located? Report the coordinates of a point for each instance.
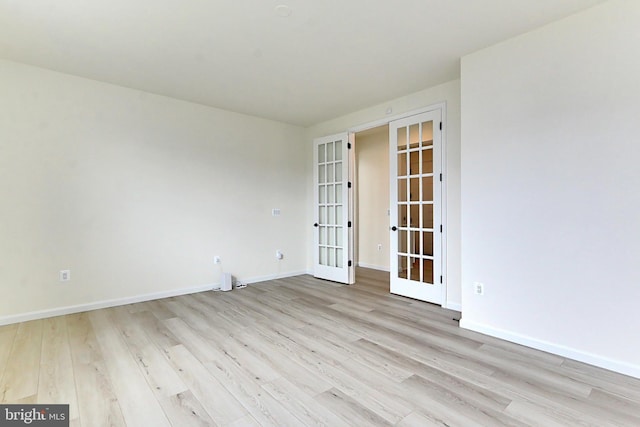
(332, 209)
(415, 207)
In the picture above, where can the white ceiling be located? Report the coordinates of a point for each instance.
(328, 58)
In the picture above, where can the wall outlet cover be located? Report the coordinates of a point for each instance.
(478, 288)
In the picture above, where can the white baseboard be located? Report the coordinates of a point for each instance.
(60, 311)
(560, 350)
(257, 279)
(374, 267)
(35, 315)
(453, 306)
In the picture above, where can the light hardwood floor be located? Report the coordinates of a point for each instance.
(294, 352)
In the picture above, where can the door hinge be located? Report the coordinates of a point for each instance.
(349, 224)
(440, 279)
(349, 184)
(440, 125)
(440, 177)
(350, 263)
(441, 228)
(348, 146)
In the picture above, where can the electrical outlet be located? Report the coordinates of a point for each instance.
(216, 260)
(379, 246)
(279, 254)
(275, 212)
(65, 275)
(478, 288)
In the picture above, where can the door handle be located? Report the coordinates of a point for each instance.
(394, 228)
(315, 225)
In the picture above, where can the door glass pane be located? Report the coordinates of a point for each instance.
(339, 258)
(414, 217)
(339, 237)
(427, 271)
(414, 242)
(414, 268)
(323, 255)
(427, 243)
(414, 136)
(330, 152)
(321, 158)
(332, 236)
(402, 139)
(330, 193)
(322, 194)
(330, 172)
(414, 192)
(427, 133)
(402, 215)
(427, 216)
(332, 257)
(339, 172)
(427, 189)
(332, 216)
(323, 235)
(322, 217)
(427, 161)
(402, 267)
(338, 193)
(321, 174)
(402, 164)
(338, 215)
(402, 241)
(338, 146)
(402, 190)
(414, 165)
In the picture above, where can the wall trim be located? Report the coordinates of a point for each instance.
(374, 267)
(442, 105)
(560, 350)
(258, 279)
(79, 308)
(61, 311)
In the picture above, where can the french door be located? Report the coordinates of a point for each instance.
(333, 227)
(415, 216)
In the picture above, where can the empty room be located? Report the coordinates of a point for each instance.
(269, 213)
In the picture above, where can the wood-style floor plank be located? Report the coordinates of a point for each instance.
(22, 370)
(94, 391)
(349, 409)
(213, 396)
(301, 405)
(137, 401)
(303, 352)
(184, 409)
(7, 336)
(57, 381)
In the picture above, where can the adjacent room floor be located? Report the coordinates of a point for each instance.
(299, 351)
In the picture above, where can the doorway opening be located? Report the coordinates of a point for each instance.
(371, 239)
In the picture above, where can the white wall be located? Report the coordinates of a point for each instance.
(449, 92)
(136, 193)
(550, 187)
(372, 184)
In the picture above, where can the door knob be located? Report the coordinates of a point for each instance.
(394, 228)
(315, 225)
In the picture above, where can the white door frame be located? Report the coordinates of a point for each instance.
(442, 106)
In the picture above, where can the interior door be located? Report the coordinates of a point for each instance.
(333, 206)
(415, 215)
